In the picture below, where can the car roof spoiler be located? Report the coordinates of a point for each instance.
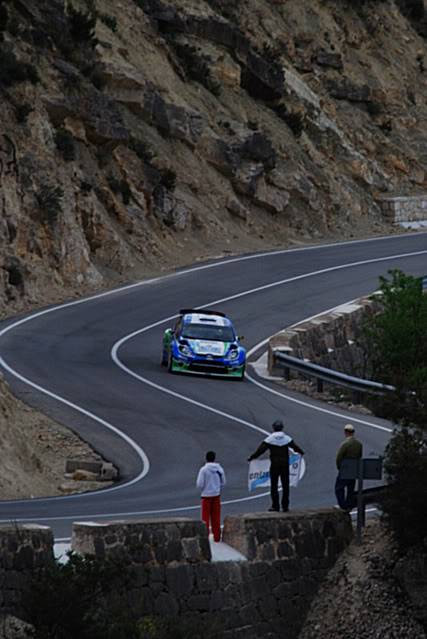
(200, 311)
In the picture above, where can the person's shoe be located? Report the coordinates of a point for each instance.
(285, 510)
(273, 510)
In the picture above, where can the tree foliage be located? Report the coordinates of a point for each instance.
(80, 598)
(94, 598)
(396, 340)
(396, 343)
(404, 507)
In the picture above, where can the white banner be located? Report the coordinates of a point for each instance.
(259, 472)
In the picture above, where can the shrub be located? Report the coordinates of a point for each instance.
(396, 340)
(65, 144)
(374, 108)
(414, 9)
(196, 67)
(22, 111)
(4, 17)
(142, 150)
(49, 200)
(168, 179)
(122, 187)
(404, 507)
(109, 22)
(97, 77)
(70, 600)
(82, 26)
(13, 71)
(85, 598)
(294, 119)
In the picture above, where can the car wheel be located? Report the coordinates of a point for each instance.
(242, 376)
(170, 363)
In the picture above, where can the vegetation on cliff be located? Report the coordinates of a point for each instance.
(146, 135)
(396, 339)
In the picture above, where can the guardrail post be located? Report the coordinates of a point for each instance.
(319, 385)
(287, 373)
(357, 397)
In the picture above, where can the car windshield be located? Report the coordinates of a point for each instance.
(208, 331)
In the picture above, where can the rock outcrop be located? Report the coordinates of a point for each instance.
(146, 134)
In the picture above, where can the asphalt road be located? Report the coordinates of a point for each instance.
(94, 365)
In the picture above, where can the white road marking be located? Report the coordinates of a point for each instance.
(136, 513)
(144, 380)
(289, 398)
(143, 457)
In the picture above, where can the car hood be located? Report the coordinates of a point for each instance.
(208, 347)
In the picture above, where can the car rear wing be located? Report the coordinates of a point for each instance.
(200, 311)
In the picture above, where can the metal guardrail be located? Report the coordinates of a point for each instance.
(373, 495)
(357, 385)
(321, 374)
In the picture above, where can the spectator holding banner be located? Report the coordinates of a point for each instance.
(350, 448)
(278, 444)
(210, 480)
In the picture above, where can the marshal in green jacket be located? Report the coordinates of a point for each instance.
(351, 448)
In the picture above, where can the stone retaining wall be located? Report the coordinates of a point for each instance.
(171, 575)
(329, 340)
(23, 550)
(404, 209)
(266, 596)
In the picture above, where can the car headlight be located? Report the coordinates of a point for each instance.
(234, 354)
(184, 349)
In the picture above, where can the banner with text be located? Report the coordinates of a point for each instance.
(259, 472)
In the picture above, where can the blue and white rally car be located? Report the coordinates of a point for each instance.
(203, 342)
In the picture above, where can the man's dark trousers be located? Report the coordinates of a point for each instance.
(281, 472)
(343, 486)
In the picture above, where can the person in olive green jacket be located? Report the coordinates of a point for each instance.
(351, 448)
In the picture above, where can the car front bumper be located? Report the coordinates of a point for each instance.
(207, 367)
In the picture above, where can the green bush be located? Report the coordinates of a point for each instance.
(168, 179)
(22, 111)
(142, 150)
(13, 71)
(82, 26)
(49, 200)
(395, 340)
(80, 599)
(294, 119)
(4, 17)
(122, 187)
(404, 506)
(86, 598)
(109, 22)
(65, 144)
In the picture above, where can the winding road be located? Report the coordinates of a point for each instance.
(94, 365)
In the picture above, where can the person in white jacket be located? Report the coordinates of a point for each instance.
(210, 480)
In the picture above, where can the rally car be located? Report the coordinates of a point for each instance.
(203, 342)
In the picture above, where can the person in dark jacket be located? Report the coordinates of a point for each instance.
(350, 448)
(278, 443)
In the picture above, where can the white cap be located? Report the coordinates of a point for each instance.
(349, 428)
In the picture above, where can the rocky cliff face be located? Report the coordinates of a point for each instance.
(143, 133)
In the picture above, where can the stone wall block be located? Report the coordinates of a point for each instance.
(206, 578)
(166, 606)
(201, 603)
(216, 601)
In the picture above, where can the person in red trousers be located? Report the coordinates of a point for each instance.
(210, 480)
